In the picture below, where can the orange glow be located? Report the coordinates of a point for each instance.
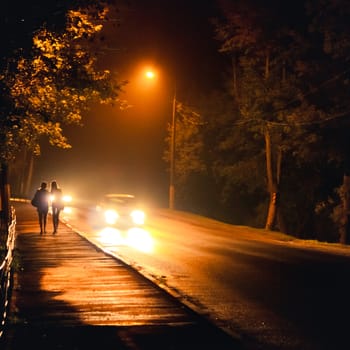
(150, 74)
(147, 93)
(140, 239)
(144, 79)
(136, 238)
(111, 236)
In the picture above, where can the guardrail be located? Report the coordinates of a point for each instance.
(6, 270)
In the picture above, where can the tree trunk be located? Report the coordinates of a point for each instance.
(234, 73)
(5, 196)
(280, 219)
(345, 226)
(29, 178)
(267, 65)
(272, 185)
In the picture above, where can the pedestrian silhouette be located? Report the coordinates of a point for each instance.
(41, 202)
(56, 204)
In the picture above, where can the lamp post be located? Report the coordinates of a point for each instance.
(150, 75)
(172, 156)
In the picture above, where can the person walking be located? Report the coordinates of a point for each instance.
(56, 204)
(41, 202)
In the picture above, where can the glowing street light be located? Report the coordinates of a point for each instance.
(151, 75)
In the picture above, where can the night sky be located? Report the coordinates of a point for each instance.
(121, 151)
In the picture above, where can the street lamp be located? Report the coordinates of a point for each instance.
(150, 75)
(172, 156)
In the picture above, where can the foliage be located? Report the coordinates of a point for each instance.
(189, 142)
(267, 94)
(290, 79)
(282, 86)
(53, 85)
(334, 32)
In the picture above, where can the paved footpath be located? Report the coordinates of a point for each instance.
(68, 294)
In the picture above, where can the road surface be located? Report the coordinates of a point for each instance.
(270, 290)
(69, 295)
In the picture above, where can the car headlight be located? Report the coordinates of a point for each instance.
(111, 216)
(65, 198)
(138, 217)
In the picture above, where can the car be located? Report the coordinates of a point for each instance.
(121, 210)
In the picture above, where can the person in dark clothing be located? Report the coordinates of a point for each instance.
(56, 204)
(41, 202)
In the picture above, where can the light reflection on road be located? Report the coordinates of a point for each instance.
(135, 237)
(110, 236)
(68, 210)
(140, 239)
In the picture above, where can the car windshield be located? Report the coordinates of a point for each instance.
(119, 200)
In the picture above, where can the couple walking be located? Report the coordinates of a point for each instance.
(42, 200)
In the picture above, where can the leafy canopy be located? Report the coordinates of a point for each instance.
(53, 86)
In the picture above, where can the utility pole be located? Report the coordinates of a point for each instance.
(172, 156)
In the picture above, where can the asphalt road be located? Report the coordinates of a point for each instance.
(274, 294)
(68, 294)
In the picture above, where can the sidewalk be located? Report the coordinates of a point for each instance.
(70, 295)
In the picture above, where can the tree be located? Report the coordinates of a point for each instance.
(282, 142)
(270, 52)
(330, 22)
(184, 144)
(52, 86)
